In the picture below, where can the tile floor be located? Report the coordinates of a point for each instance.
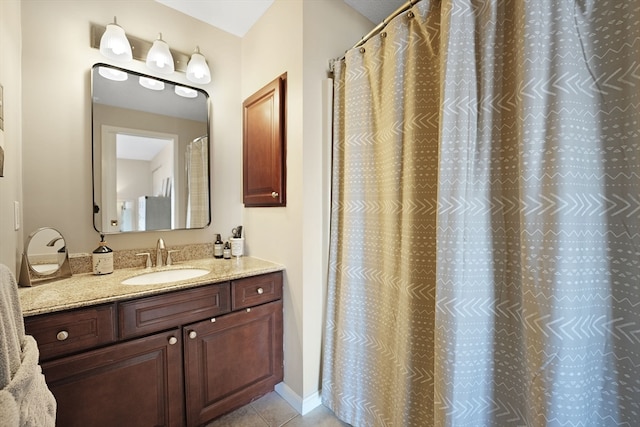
(271, 410)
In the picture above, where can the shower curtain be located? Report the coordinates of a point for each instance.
(485, 236)
(197, 165)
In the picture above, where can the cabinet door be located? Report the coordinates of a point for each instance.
(232, 360)
(136, 383)
(264, 147)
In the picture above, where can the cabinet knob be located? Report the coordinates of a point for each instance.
(193, 334)
(274, 194)
(62, 335)
(173, 340)
(260, 291)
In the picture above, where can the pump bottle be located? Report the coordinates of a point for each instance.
(102, 258)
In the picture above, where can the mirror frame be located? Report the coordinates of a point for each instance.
(98, 208)
(29, 275)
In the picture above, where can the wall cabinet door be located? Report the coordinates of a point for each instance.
(232, 359)
(264, 147)
(135, 383)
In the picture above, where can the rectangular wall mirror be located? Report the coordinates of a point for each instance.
(150, 153)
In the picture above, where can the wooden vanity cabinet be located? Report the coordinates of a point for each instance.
(175, 359)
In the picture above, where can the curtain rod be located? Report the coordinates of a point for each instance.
(408, 5)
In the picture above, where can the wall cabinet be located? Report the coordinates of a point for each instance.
(181, 358)
(264, 146)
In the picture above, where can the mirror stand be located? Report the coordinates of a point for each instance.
(30, 277)
(43, 262)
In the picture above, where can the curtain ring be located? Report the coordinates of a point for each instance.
(383, 34)
(410, 14)
(361, 50)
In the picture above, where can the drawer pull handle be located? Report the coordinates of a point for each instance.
(193, 334)
(249, 310)
(213, 320)
(260, 291)
(274, 194)
(173, 341)
(62, 335)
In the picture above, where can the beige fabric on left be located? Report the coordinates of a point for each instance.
(25, 400)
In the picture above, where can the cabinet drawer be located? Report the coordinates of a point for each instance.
(152, 314)
(71, 331)
(256, 290)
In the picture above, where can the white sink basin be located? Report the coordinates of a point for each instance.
(165, 276)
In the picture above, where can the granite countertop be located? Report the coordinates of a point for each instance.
(82, 290)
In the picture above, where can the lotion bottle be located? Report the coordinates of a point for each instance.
(102, 258)
(218, 247)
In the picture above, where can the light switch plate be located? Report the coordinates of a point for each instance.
(16, 215)
(1, 108)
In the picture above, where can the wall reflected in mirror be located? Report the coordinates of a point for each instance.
(150, 153)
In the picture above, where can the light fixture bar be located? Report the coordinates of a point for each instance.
(140, 48)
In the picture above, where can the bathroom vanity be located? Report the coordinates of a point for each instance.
(179, 354)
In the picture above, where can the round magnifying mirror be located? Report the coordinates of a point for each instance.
(45, 257)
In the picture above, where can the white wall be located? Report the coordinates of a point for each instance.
(11, 241)
(56, 63)
(274, 46)
(299, 38)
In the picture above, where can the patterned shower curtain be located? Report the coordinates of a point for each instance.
(197, 166)
(485, 237)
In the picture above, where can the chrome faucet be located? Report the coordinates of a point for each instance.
(159, 248)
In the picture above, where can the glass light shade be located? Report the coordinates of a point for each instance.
(112, 74)
(186, 92)
(152, 84)
(197, 68)
(159, 58)
(114, 44)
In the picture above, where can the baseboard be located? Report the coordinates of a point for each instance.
(303, 406)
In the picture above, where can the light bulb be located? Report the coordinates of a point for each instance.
(197, 68)
(159, 57)
(114, 44)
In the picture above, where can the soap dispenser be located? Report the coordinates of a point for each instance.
(102, 258)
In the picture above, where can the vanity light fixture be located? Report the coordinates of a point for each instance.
(159, 58)
(197, 69)
(114, 43)
(112, 74)
(185, 92)
(152, 84)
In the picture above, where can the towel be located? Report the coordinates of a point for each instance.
(11, 327)
(25, 400)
